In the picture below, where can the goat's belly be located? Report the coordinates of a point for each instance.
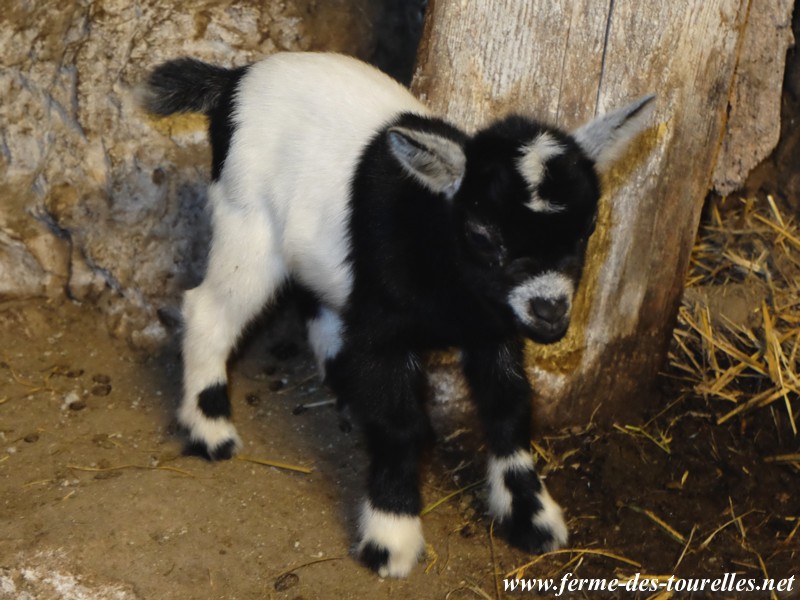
(330, 281)
(328, 275)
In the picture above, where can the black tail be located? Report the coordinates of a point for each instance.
(187, 85)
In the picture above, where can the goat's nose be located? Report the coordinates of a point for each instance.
(551, 310)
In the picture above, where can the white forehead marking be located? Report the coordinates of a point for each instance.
(531, 166)
(550, 285)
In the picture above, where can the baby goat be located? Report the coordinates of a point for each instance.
(408, 235)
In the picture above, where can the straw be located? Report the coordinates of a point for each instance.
(753, 364)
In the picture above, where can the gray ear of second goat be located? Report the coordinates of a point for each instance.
(605, 138)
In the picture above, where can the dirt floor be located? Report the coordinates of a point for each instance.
(97, 501)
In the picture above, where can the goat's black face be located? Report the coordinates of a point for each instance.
(524, 199)
(527, 207)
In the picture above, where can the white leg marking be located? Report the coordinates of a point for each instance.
(401, 535)
(325, 337)
(499, 497)
(550, 518)
(212, 432)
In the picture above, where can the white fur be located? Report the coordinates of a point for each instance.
(532, 167)
(500, 499)
(551, 518)
(325, 337)
(281, 206)
(244, 272)
(213, 432)
(305, 118)
(401, 535)
(549, 285)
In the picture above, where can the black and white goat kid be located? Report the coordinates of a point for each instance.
(410, 235)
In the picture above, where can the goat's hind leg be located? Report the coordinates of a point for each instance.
(244, 272)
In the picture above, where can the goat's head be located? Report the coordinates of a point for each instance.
(525, 197)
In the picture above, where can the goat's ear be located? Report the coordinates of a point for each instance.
(435, 161)
(605, 138)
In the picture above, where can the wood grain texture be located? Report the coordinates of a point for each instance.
(754, 122)
(565, 62)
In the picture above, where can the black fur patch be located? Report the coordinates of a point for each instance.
(385, 393)
(518, 528)
(213, 401)
(220, 124)
(523, 534)
(190, 85)
(307, 303)
(525, 487)
(374, 556)
(185, 85)
(496, 375)
(398, 27)
(495, 186)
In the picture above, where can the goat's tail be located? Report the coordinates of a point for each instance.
(186, 85)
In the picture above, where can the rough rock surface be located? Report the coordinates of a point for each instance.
(102, 203)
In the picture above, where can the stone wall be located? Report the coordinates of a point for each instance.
(100, 203)
(103, 205)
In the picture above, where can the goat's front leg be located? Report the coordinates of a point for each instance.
(528, 517)
(385, 392)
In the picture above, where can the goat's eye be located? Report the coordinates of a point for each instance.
(480, 241)
(486, 244)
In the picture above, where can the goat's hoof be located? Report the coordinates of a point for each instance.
(392, 543)
(223, 451)
(212, 439)
(544, 531)
(386, 563)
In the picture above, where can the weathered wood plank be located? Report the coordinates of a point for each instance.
(754, 123)
(566, 61)
(480, 59)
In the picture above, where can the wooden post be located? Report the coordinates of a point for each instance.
(564, 62)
